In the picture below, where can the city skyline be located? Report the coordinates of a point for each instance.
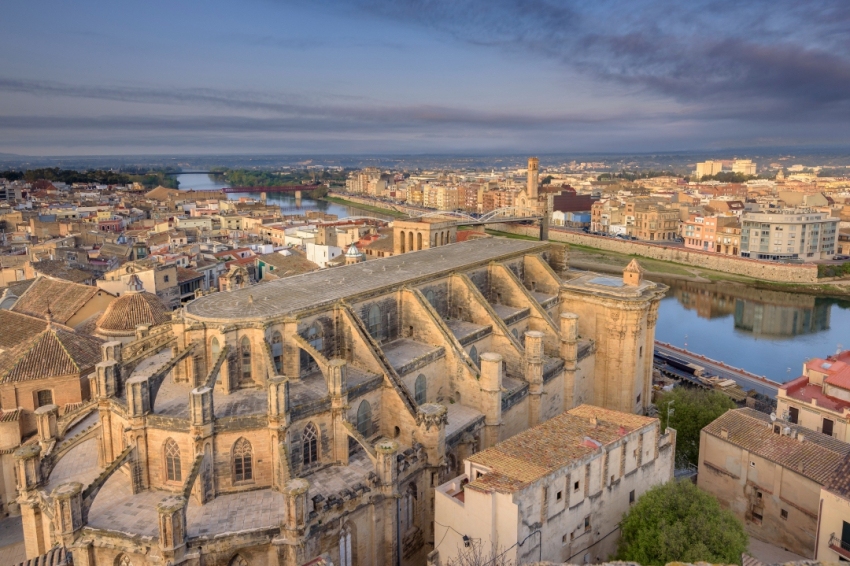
(358, 77)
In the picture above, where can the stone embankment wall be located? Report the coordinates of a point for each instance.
(765, 270)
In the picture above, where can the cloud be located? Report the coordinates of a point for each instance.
(752, 60)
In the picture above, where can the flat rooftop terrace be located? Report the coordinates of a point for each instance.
(292, 294)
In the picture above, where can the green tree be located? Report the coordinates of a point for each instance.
(692, 410)
(678, 522)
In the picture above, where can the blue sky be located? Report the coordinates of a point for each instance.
(425, 76)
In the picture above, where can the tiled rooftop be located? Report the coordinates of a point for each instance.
(62, 298)
(801, 390)
(816, 457)
(292, 294)
(549, 446)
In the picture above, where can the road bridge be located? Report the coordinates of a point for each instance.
(498, 216)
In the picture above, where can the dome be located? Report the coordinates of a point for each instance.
(352, 251)
(135, 308)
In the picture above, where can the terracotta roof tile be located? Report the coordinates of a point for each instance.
(54, 352)
(17, 328)
(127, 312)
(63, 298)
(550, 446)
(816, 458)
(839, 483)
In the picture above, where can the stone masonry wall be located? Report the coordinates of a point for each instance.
(766, 270)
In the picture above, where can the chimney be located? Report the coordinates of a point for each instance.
(724, 433)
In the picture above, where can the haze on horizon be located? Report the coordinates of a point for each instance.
(360, 76)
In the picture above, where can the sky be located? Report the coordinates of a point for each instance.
(92, 77)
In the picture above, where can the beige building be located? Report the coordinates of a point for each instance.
(769, 474)
(311, 418)
(422, 234)
(653, 222)
(708, 168)
(67, 303)
(744, 166)
(833, 532)
(161, 280)
(556, 492)
(819, 399)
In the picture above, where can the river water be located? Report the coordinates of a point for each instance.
(768, 333)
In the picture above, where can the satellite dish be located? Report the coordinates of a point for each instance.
(773, 417)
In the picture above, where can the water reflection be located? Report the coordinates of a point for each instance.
(771, 314)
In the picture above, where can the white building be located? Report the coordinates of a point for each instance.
(707, 168)
(321, 255)
(789, 234)
(556, 492)
(744, 166)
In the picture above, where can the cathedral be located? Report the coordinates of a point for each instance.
(308, 420)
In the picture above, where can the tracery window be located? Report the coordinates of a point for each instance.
(345, 554)
(310, 444)
(364, 419)
(421, 389)
(375, 322)
(277, 351)
(245, 347)
(242, 464)
(429, 296)
(172, 461)
(473, 353)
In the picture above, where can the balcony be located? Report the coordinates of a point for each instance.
(842, 547)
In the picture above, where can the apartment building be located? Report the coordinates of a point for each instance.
(744, 166)
(707, 168)
(833, 542)
(653, 222)
(715, 234)
(788, 234)
(570, 479)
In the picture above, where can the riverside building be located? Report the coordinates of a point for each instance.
(790, 234)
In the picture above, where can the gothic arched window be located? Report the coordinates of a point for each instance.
(310, 444)
(515, 333)
(375, 322)
(345, 554)
(364, 419)
(421, 389)
(277, 351)
(245, 354)
(473, 353)
(243, 469)
(172, 461)
(215, 349)
(429, 296)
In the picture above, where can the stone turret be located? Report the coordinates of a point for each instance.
(45, 418)
(68, 511)
(172, 527)
(633, 274)
(385, 466)
(432, 419)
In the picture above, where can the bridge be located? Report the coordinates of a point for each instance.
(498, 216)
(745, 379)
(297, 189)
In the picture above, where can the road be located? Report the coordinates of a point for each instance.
(746, 380)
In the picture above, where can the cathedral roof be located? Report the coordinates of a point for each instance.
(131, 310)
(55, 351)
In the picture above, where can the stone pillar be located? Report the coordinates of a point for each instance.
(279, 400)
(83, 551)
(386, 466)
(338, 388)
(138, 397)
(201, 410)
(34, 544)
(295, 519)
(432, 419)
(534, 374)
(568, 352)
(111, 353)
(45, 420)
(28, 468)
(106, 381)
(172, 527)
(68, 511)
(491, 387)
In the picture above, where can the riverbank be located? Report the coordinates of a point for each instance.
(597, 259)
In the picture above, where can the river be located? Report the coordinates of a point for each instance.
(768, 333)
(286, 201)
